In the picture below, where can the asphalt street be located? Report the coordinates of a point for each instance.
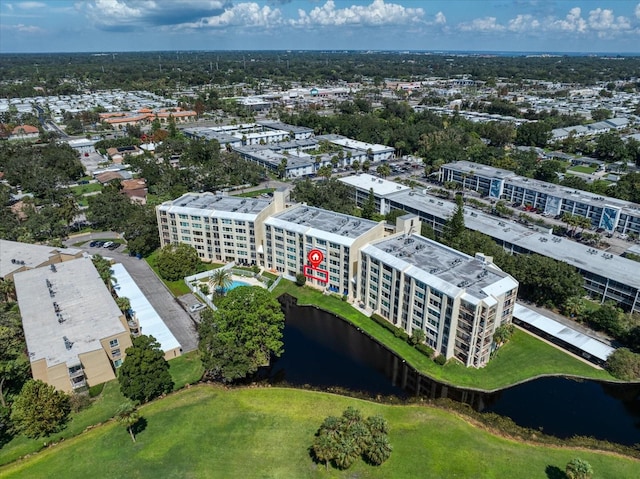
(169, 308)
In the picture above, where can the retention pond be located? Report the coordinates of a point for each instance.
(325, 352)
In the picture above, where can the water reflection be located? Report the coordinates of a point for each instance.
(325, 352)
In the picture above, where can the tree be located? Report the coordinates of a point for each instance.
(503, 333)
(123, 303)
(301, 279)
(40, 410)
(141, 230)
(342, 440)
(454, 227)
(128, 415)
(535, 133)
(624, 364)
(578, 469)
(220, 281)
(417, 337)
(383, 170)
(369, 206)
(7, 290)
(242, 334)
(144, 374)
(104, 270)
(14, 363)
(175, 261)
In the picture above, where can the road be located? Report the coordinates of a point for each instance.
(168, 307)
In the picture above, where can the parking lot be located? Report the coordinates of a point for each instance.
(168, 308)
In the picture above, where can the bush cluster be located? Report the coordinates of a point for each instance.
(402, 334)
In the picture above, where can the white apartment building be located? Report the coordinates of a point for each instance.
(457, 300)
(291, 234)
(221, 228)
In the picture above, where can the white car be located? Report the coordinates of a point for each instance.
(107, 244)
(196, 307)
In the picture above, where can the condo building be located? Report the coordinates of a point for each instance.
(607, 277)
(221, 228)
(293, 233)
(75, 333)
(610, 214)
(456, 300)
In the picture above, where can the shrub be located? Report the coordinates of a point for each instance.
(79, 401)
(624, 364)
(440, 359)
(301, 279)
(424, 349)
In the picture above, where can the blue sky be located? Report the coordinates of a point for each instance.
(477, 25)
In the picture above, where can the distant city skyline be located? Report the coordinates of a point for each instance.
(588, 26)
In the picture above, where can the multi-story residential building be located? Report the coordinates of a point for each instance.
(76, 335)
(611, 214)
(16, 257)
(374, 152)
(291, 234)
(219, 227)
(418, 284)
(606, 276)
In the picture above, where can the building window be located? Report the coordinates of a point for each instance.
(116, 353)
(117, 363)
(114, 343)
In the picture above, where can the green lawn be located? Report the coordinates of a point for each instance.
(210, 432)
(87, 188)
(186, 369)
(524, 357)
(253, 194)
(584, 169)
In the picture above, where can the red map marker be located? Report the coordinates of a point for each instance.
(315, 257)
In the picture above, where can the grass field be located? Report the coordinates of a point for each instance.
(584, 169)
(209, 432)
(185, 369)
(254, 194)
(523, 357)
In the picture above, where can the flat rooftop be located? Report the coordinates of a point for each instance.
(355, 144)
(381, 187)
(87, 312)
(151, 324)
(278, 125)
(315, 221)
(15, 255)
(197, 204)
(607, 265)
(446, 269)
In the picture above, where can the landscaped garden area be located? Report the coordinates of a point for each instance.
(523, 357)
(210, 431)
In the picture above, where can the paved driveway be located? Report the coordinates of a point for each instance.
(169, 309)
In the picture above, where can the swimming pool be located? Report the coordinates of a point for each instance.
(235, 284)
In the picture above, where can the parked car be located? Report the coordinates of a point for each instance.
(196, 307)
(114, 246)
(107, 244)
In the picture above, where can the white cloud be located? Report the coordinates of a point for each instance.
(21, 28)
(523, 24)
(638, 11)
(482, 25)
(242, 15)
(375, 14)
(573, 22)
(440, 19)
(31, 5)
(605, 23)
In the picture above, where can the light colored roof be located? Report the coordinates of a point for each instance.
(88, 312)
(380, 186)
(151, 324)
(565, 333)
(14, 253)
(208, 204)
(336, 227)
(446, 269)
(622, 270)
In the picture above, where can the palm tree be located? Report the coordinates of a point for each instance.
(7, 290)
(220, 281)
(128, 415)
(579, 469)
(324, 448)
(347, 452)
(573, 307)
(379, 449)
(123, 303)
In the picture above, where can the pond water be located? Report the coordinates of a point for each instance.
(325, 352)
